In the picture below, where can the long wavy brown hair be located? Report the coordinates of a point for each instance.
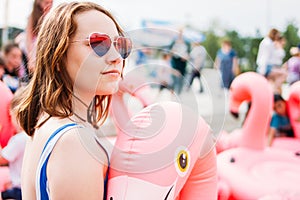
(51, 90)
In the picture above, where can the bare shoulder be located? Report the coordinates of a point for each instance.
(77, 164)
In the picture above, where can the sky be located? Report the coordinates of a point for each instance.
(244, 16)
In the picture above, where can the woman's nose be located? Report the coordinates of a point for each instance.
(114, 60)
(113, 57)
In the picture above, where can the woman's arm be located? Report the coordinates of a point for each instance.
(271, 136)
(3, 161)
(235, 67)
(217, 63)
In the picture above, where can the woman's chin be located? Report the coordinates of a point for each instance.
(109, 90)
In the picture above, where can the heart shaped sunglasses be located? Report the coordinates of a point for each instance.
(101, 43)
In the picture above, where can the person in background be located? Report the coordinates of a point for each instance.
(20, 39)
(279, 52)
(197, 58)
(227, 62)
(280, 123)
(180, 50)
(278, 73)
(292, 65)
(164, 73)
(12, 154)
(39, 10)
(12, 56)
(81, 52)
(265, 53)
(269, 59)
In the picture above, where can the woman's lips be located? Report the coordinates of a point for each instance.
(115, 73)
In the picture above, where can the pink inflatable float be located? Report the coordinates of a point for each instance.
(135, 87)
(6, 127)
(293, 106)
(157, 155)
(254, 88)
(252, 170)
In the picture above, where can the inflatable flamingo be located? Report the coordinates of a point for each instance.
(6, 127)
(134, 85)
(157, 155)
(252, 170)
(293, 106)
(162, 152)
(249, 88)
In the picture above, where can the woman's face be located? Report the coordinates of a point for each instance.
(91, 74)
(13, 59)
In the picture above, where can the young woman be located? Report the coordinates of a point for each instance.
(79, 63)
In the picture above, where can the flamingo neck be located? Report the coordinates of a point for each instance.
(294, 114)
(257, 123)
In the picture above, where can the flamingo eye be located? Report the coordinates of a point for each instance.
(182, 161)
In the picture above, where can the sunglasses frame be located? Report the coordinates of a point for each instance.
(112, 42)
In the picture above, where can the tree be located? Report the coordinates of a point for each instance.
(251, 47)
(292, 38)
(211, 44)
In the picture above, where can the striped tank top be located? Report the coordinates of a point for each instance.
(42, 190)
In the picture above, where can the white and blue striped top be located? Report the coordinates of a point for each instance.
(42, 190)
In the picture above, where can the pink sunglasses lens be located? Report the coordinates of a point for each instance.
(100, 43)
(123, 46)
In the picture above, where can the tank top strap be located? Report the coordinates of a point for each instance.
(42, 190)
(108, 166)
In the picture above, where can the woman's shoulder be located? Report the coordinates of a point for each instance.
(49, 125)
(70, 139)
(79, 139)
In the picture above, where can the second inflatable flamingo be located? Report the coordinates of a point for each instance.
(251, 170)
(256, 124)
